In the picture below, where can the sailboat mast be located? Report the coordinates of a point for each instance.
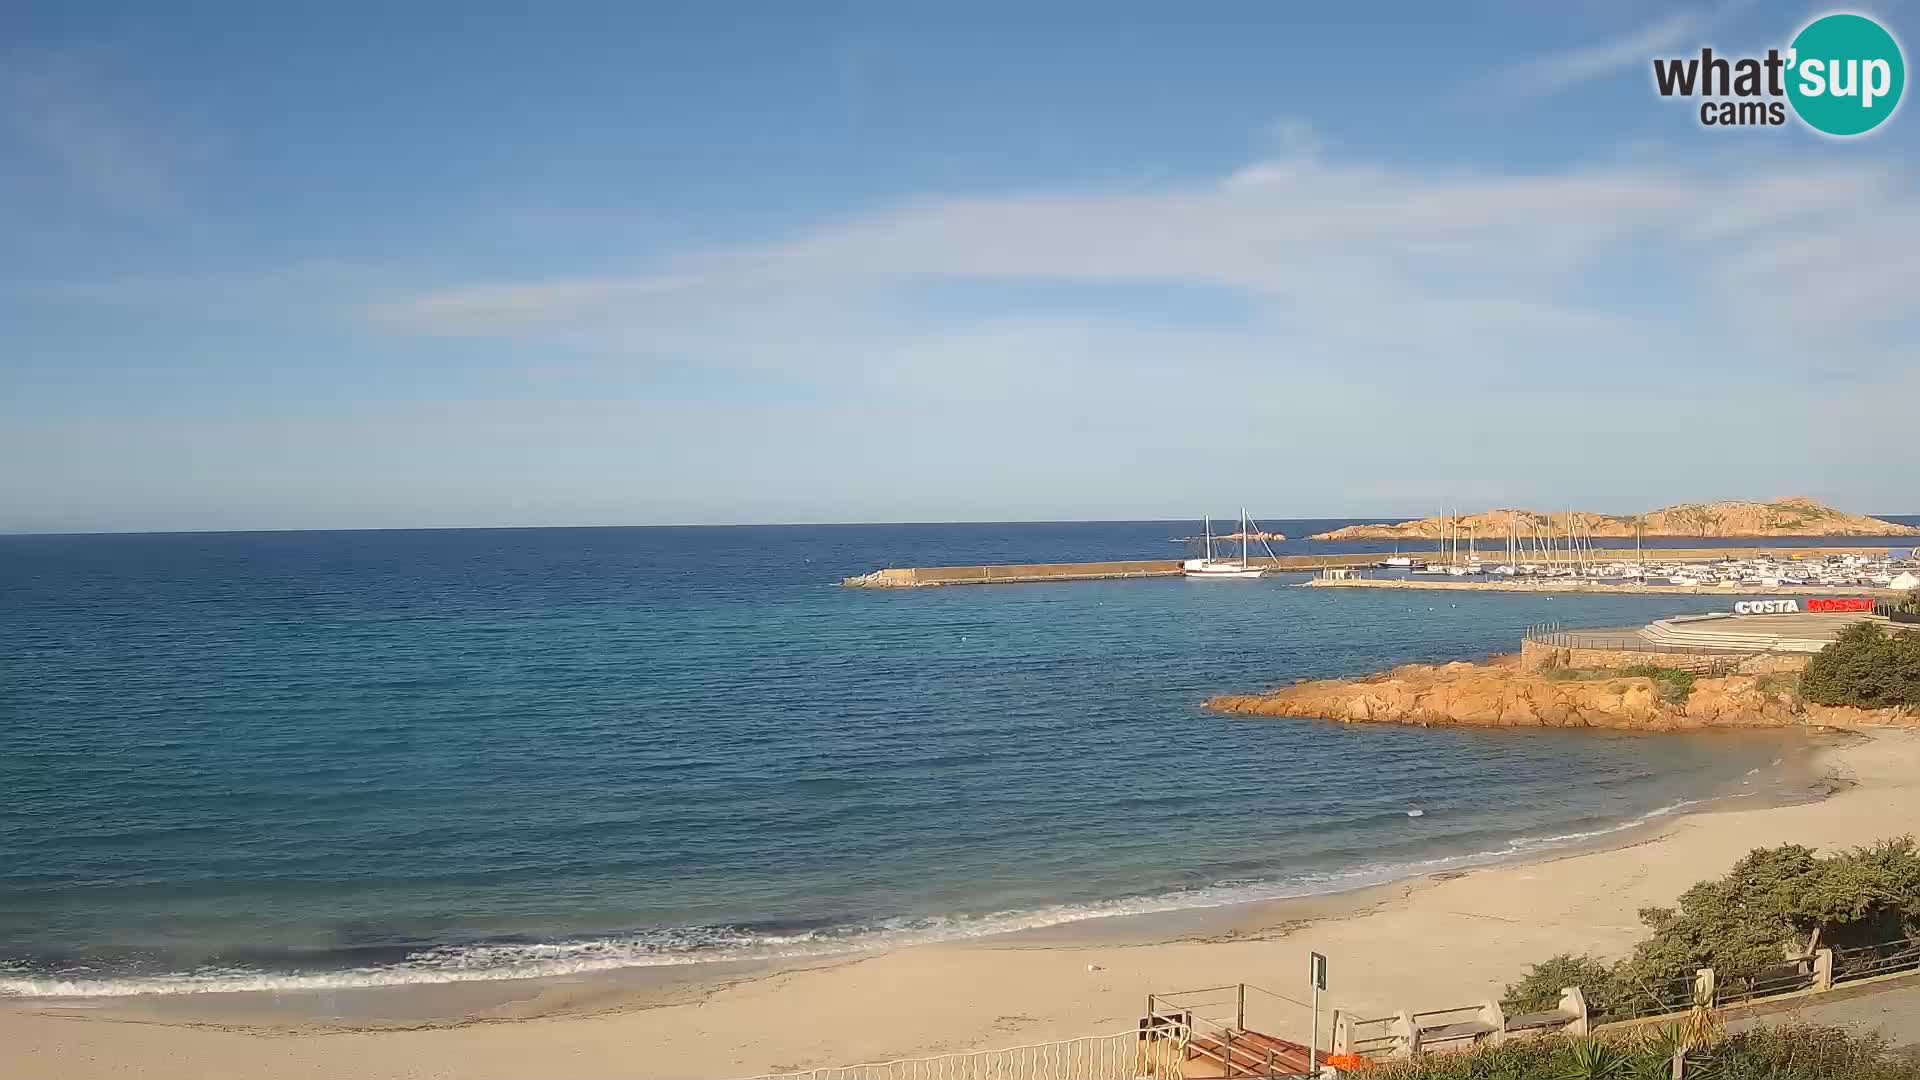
(1243, 536)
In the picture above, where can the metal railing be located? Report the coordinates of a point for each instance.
(1788, 978)
(1378, 1036)
(1156, 1050)
(1698, 659)
(1868, 961)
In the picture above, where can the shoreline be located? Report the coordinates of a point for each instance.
(1451, 937)
(446, 997)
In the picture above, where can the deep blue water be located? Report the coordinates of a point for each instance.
(353, 757)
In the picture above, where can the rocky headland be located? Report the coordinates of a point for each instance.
(1783, 517)
(1501, 693)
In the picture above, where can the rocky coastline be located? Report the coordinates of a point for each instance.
(1501, 693)
(1783, 517)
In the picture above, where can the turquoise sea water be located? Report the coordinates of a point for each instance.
(319, 759)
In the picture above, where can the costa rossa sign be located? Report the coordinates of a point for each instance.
(1819, 603)
(1844, 603)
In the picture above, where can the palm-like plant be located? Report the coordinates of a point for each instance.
(1595, 1059)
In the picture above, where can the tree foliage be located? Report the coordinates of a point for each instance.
(1776, 902)
(1865, 667)
(1789, 1052)
(1539, 990)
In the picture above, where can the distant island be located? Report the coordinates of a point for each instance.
(1783, 517)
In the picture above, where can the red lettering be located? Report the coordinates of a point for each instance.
(1839, 604)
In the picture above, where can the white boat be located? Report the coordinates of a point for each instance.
(1211, 567)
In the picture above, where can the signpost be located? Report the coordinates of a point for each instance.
(1317, 974)
(1788, 607)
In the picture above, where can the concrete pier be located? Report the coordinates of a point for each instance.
(909, 577)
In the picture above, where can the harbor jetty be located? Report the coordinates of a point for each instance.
(909, 577)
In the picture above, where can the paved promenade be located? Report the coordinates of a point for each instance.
(1894, 1012)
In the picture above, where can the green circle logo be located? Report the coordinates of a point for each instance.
(1846, 74)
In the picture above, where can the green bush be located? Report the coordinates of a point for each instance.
(1788, 1052)
(1773, 903)
(1539, 990)
(1673, 685)
(1865, 667)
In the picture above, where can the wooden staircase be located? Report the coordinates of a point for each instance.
(1237, 1052)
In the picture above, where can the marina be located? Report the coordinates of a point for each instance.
(1876, 569)
(1588, 585)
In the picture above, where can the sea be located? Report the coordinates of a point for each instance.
(282, 760)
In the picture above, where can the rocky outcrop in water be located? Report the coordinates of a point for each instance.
(1784, 517)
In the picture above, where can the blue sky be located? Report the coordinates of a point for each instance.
(632, 264)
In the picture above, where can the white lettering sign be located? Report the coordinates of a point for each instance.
(1765, 607)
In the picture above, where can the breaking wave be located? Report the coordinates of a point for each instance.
(709, 944)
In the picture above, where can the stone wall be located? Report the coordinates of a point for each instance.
(1539, 656)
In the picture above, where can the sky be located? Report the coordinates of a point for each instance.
(370, 265)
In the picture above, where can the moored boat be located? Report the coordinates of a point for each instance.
(1210, 567)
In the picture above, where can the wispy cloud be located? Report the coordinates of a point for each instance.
(1555, 72)
(1338, 255)
(60, 113)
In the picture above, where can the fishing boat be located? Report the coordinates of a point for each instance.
(1396, 561)
(1211, 567)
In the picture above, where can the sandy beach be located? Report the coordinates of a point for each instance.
(1441, 941)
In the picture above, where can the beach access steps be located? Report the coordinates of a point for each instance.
(1220, 1041)
(1711, 632)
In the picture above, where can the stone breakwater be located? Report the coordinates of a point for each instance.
(1500, 693)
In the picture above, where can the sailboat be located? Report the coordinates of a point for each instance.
(1211, 567)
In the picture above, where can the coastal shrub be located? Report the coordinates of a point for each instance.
(1774, 903)
(1865, 667)
(1539, 990)
(1672, 685)
(1781, 901)
(1522, 1059)
(1786, 1052)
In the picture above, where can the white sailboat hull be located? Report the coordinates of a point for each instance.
(1211, 567)
(1219, 568)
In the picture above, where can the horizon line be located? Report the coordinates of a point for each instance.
(1352, 519)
